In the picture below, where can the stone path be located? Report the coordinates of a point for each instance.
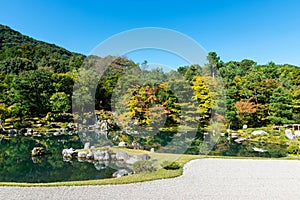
(202, 179)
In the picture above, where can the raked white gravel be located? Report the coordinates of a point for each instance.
(202, 179)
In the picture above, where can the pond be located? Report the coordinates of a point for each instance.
(16, 164)
(249, 149)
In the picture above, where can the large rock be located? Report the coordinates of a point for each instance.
(107, 156)
(289, 134)
(113, 156)
(259, 132)
(122, 156)
(120, 173)
(38, 151)
(82, 154)
(90, 155)
(87, 145)
(297, 133)
(122, 144)
(69, 152)
(101, 155)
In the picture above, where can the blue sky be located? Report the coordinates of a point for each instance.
(262, 30)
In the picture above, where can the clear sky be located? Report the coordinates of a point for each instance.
(262, 30)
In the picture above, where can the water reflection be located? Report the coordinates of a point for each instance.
(249, 149)
(16, 164)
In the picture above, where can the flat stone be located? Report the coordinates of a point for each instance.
(259, 132)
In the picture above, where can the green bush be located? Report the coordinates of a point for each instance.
(293, 149)
(170, 166)
(142, 166)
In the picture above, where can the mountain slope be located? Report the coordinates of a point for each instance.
(19, 52)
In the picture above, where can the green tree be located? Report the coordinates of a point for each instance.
(60, 102)
(281, 109)
(30, 92)
(214, 63)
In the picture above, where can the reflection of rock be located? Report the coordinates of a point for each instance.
(120, 173)
(289, 134)
(258, 149)
(37, 151)
(101, 165)
(36, 159)
(259, 132)
(81, 159)
(67, 159)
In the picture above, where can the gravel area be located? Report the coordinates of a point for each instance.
(202, 179)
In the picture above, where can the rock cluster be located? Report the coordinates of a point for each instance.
(104, 158)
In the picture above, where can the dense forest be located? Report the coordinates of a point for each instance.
(37, 78)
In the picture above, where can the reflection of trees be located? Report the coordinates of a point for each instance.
(16, 164)
(246, 149)
(96, 138)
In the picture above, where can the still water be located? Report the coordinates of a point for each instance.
(16, 164)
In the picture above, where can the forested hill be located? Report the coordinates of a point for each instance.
(19, 52)
(37, 78)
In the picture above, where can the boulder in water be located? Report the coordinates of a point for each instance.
(38, 151)
(120, 173)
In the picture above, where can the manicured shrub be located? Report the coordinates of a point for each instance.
(170, 166)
